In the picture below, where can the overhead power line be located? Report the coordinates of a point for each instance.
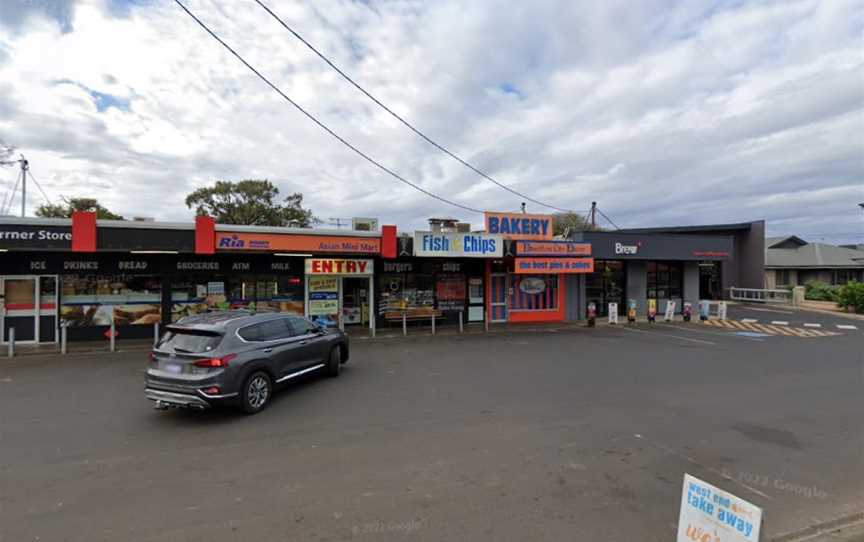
(402, 120)
(608, 219)
(321, 124)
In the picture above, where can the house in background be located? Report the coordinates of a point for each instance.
(792, 261)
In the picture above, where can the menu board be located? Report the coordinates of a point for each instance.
(450, 291)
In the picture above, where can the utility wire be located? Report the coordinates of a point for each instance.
(39, 186)
(607, 218)
(402, 120)
(7, 205)
(318, 122)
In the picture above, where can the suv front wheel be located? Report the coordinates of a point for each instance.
(257, 392)
(334, 364)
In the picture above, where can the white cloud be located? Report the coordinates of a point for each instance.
(665, 113)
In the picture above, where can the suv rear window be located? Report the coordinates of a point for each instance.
(271, 330)
(181, 340)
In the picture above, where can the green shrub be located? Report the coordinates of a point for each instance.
(820, 291)
(852, 295)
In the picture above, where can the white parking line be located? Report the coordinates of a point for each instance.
(846, 326)
(780, 322)
(812, 325)
(668, 335)
(749, 320)
(767, 310)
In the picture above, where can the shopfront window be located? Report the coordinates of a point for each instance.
(406, 292)
(606, 285)
(279, 293)
(533, 292)
(665, 280)
(93, 300)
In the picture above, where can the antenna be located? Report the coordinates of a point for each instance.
(338, 222)
(25, 167)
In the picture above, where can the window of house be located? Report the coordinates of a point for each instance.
(843, 276)
(782, 277)
(665, 280)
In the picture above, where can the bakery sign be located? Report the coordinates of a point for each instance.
(339, 266)
(520, 226)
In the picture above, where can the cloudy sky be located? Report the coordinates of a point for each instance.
(665, 112)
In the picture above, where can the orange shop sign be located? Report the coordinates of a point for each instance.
(554, 265)
(330, 266)
(519, 225)
(297, 243)
(552, 248)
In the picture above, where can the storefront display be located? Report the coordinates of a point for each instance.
(96, 300)
(338, 290)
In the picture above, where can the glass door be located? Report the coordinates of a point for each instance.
(498, 298)
(19, 308)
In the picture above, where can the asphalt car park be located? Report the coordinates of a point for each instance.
(574, 434)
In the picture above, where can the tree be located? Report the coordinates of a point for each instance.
(571, 222)
(64, 210)
(250, 202)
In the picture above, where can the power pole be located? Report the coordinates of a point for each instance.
(25, 167)
(593, 215)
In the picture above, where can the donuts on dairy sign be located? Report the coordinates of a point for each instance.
(466, 245)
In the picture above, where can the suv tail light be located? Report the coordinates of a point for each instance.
(215, 363)
(151, 356)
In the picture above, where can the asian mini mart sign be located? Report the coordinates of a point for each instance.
(464, 245)
(519, 226)
(553, 265)
(339, 266)
(297, 242)
(708, 513)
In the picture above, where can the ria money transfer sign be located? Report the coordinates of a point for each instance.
(709, 514)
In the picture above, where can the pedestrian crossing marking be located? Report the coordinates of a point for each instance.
(769, 329)
(845, 326)
(812, 325)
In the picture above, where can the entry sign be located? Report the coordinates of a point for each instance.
(708, 513)
(613, 313)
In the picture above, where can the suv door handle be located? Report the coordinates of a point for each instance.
(268, 350)
(304, 341)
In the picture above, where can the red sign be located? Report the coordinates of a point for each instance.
(322, 266)
(107, 333)
(552, 248)
(297, 242)
(554, 265)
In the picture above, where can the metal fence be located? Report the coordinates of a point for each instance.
(757, 295)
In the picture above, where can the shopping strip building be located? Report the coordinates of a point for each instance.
(83, 273)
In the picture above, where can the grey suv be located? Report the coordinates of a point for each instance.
(238, 357)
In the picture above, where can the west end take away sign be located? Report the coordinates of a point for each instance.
(465, 245)
(709, 514)
(520, 226)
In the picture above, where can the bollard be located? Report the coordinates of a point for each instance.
(63, 337)
(461, 329)
(11, 342)
(404, 325)
(111, 340)
(155, 334)
(433, 323)
(486, 324)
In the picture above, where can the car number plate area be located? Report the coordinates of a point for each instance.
(174, 368)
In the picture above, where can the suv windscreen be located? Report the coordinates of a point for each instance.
(189, 341)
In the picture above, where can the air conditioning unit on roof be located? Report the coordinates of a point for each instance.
(364, 224)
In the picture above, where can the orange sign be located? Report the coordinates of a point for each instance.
(552, 248)
(297, 242)
(554, 265)
(519, 225)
